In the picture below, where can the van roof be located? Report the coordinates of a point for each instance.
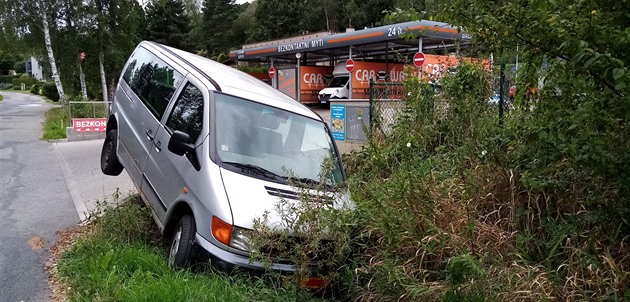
(237, 83)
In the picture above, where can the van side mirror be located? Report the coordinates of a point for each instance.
(180, 143)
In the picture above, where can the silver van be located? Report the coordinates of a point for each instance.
(210, 149)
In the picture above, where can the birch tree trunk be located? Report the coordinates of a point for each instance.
(103, 80)
(112, 88)
(82, 79)
(51, 55)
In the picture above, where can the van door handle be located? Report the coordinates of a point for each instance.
(150, 135)
(158, 146)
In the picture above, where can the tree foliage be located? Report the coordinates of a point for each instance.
(168, 23)
(218, 17)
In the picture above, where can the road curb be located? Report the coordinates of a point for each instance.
(75, 193)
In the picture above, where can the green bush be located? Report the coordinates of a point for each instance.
(8, 78)
(22, 80)
(49, 90)
(5, 86)
(36, 88)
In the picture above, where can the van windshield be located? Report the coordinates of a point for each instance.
(273, 144)
(338, 82)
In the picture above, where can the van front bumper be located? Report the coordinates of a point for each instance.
(228, 261)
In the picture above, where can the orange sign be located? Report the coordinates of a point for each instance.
(433, 67)
(366, 71)
(436, 66)
(312, 80)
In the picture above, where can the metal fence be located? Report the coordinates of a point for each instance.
(88, 109)
(387, 100)
(386, 105)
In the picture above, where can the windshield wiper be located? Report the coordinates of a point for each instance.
(256, 169)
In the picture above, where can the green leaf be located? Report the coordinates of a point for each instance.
(618, 73)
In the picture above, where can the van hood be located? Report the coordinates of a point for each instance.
(330, 90)
(250, 198)
(334, 92)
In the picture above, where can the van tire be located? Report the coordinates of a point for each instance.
(182, 243)
(109, 161)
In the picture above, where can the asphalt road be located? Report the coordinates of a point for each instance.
(34, 199)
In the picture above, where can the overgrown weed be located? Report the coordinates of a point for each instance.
(533, 210)
(121, 258)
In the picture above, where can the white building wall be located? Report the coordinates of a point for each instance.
(36, 70)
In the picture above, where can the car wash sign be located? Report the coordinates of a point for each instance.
(89, 124)
(392, 32)
(301, 45)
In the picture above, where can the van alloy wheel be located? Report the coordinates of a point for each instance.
(182, 243)
(175, 245)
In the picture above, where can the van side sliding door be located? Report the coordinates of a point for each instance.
(165, 172)
(149, 84)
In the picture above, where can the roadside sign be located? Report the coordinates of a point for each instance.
(89, 124)
(418, 59)
(349, 65)
(82, 55)
(272, 72)
(338, 121)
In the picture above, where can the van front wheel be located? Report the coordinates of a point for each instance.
(182, 242)
(109, 161)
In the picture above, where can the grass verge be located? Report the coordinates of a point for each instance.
(1, 97)
(119, 257)
(55, 124)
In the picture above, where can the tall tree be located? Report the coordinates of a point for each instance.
(73, 24)
(243, 24)
(218, 18)
(42, 8)
(168, 24)
(324, 15)
(367, 13)
(120, 26)
(276, 19)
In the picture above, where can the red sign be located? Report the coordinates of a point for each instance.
(349, 65)
(272, 72)
(418, 59)
(82, 55)
(89, 124)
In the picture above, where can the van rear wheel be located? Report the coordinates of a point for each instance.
(182, 243)
(109, 161)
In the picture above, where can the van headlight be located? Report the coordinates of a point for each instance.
(240, 239)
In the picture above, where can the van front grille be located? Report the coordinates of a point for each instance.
(324, 97)
(286, 194)
(282, 193)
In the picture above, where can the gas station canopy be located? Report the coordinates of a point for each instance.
(377, 41)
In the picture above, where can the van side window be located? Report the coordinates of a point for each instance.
(187, 115)
(153, 81)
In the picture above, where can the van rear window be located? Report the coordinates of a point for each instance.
(153, 81)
